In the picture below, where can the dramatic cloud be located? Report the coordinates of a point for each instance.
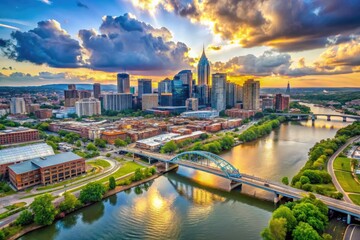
(47, 44)
(126, 43)
(291, 25)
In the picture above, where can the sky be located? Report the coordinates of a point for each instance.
(309, 43)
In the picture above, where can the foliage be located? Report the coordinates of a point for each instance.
(108, 155)
(100, 143)
(285, 180)
(112, 182)
(92, 192)
(25, 218)
(2, 127)
(70, 202)
(54, 145)
(4, 187)
(120, 143)
(43, 209)
(169, 147)
(305, 232)
(276, 229)
(91, 147)
(303, 109)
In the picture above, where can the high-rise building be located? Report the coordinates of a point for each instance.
(282, 102)
(164, 86)
(218, 93)
(117, 101)
(97, 90)
(149, 101)
(251, 95)
(203, 70)
(166, 99)
(144, 87)
(192, 104)
(267, 103)
(179, 92)
(186, 77)
(71, 87)
(288, 91)
(88, 107)
(230, 94)
(71, 95)
(238, 93)
(123, 83)
(17, 106)
(84, 94)
(202, 92)
(132, 90)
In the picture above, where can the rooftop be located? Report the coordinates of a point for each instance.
(15, 130)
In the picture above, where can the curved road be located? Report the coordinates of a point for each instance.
(330, 168)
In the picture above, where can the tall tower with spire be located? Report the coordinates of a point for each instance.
(288, 88)
(203, 70)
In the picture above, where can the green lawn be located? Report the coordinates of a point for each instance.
(355, 198)
(347, 182)
(15, 206)
(127, 168)
(342, 163)
(100, 162)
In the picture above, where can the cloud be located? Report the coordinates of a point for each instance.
(214, 48)
(292, 25)
(81, 5)
(8, 26)
(49, 44)
(126, 43)
(48, 2)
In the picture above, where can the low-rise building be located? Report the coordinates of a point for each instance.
(240, 113)
(18, 135)
(46, 170)
(111, 135)
(43, 113)
(200, 114)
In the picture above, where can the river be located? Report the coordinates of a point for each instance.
(190, 204)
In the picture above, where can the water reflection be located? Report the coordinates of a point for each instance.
(96, 214)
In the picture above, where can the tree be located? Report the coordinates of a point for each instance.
(70, 202)
(286, 213)
(138, 175)
(92, 192)
(25, 218)
(285, 180)
(112, 183)
(100, 143)
(108, 155)
(2, 127)
(119, 143)
(169, 147)
(43, 209)
(276, 230)
(78, 143)
(304, 180)
(91, 147)
(305, 232)
(53, 145)
(2, 235)
(307, 212)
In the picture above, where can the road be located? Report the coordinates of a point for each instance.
(352, 232)
(330, 168)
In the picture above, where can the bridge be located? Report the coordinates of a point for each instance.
(213, 164)
(315, 116)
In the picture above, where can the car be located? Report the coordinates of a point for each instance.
(266, 185)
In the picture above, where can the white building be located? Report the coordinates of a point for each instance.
(88, 107)
(201, 114)
(117, 101)
(17, 106)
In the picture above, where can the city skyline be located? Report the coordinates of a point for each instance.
(315, 46)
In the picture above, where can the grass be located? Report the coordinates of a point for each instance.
(127, 168)
(342, 163)
(347, 182)
(15, 206)
(9, 213)
(355, 198)
(4, 194)
(100, 162)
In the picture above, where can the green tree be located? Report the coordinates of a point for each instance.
(276, 230)
(2, 127)
(91, 147)
(43, 126)
(100, 143)
(78, 143)
(304, 180)
(305, 232)
(169, 147)
(309, 213)
(138, 174)
(54, 145)
(128, 140)
(92, 192)
(286, 213)
(112, 183)
(43, 209)
(2, 235)
(108, 155)
(25, 218)
(69, 203)
(119, 143)
(285, 180)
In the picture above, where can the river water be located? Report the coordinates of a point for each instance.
(189, 204)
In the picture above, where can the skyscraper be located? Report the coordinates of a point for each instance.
(149, 101)
(179, 92)
(144, 87)
(251, 95)
(88, 107)
(117, 101)
(97, 90)
(282, 102)
(230, 94)
(218, 93)
(203, 70)
(288, 91)
(186, 77)
(123, 83)
(84, 94)
(71, 95)
(238, 93)
(71, 87)
(17, 106)
(164, 86)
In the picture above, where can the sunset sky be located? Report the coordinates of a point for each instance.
(311, 43)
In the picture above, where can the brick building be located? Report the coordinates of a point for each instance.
(239, 113)
(18, 135)
(111, 135)
(46, 170)
(43, 113)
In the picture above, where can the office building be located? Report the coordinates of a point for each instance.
(88, 107)
(202, 92)
(282, 102)
(267, 103)
(97, 90)
(164, 86)
(46, 170)
(230, 94)
(218, 93)
(203, 70)
(180, 92)
(149, 101)
(239, 93)
(117, 101)
(123, 83)
(132, 90)
(71, 96)
(17, 106)
(43, 113)
(84, 94)
(144, 87)
(165, 99)
(71, 87)
(192, 104)
(18, 135)
(251, 95)
(187, 78)
(31, 108)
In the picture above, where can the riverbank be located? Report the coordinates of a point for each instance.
(33, 227)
